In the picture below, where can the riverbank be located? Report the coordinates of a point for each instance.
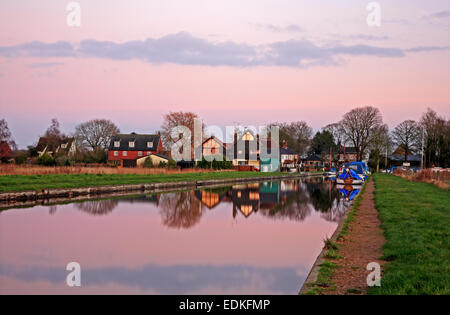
(23, 188)
(413, 218)
(358, 240)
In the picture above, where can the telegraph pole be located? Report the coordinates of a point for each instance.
(423, 140)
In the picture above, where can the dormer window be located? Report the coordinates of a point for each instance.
(116, 144)
(150, 144)
(131, 144)
(64, 146)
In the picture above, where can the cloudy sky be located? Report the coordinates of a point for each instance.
(234, 61)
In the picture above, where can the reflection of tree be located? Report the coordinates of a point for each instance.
(180, 210)
(98, 207)
(52, 210)
(322, 196)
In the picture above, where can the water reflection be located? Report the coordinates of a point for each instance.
(288, 199)
(256, 238)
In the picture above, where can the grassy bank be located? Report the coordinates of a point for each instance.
(36, 182)
(415, 219)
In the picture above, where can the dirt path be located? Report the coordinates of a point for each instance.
(362, 245)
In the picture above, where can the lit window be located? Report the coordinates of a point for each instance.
(116, 153)
(131, 144)
(64, 145)
(124, 153)
(150, 144)
(140, 153)
(116, 144)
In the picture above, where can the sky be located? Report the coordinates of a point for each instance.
(248, 62)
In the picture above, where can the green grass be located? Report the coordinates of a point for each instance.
(37, 182)
(416, 222)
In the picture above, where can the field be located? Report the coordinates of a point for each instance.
(416, 219)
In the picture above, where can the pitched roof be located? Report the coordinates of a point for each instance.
(52, 144)
(348, 150)
(313, 157)
(287, 151)
(140, 142)
(410, 158)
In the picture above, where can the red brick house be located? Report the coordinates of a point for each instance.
(126, 149)
(5, 151)
(347, 154)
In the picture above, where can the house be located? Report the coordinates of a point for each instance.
(125, 149)
(288, 158)
(313, 161)
(5, 151)
(212, 147)
(245, 199)
(56, 146)
(156, 159)
(347, 154)
(246, 150)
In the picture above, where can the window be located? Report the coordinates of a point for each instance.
(131, 144)
(116, 153)
(140, 153)
(149, 144)
(124, 153)
(149, 153)
(116, 144)
(64, 145)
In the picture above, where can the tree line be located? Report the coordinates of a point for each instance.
(362, 128)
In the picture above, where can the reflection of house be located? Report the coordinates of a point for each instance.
(54, 146)
(126, 149)
(269, 195)
(245, 199)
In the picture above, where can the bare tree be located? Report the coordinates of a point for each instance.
(5, 134)
(381, 144)
(436, 133)
(359, 126)
(54, 132)
(406, 135)
(336, 130)
(96, 134)
(174, 119)
(298, 135)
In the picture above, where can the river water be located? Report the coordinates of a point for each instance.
(256, 238)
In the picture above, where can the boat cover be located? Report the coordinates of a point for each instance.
(352, 174)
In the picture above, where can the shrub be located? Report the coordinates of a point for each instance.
(148, 163)
(162, 164)
(46, 160)
(172, 164)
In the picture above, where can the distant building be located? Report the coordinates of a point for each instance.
(213, 147)
(288, 158)
(54, 146)
(313, 161)
(126, 149)
(347, 154)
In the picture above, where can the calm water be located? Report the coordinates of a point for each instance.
(259, 238)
